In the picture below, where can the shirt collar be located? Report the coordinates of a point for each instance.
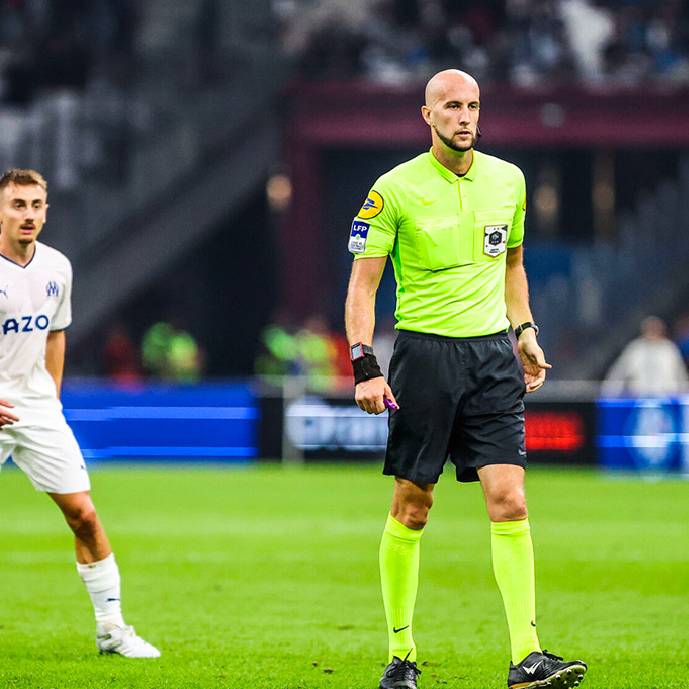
(451, 176)
(19, 265)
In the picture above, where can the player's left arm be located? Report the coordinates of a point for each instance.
(518, 312)
(55, 356)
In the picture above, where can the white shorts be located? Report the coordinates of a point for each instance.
(48, 453)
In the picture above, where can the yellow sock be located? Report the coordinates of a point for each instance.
(513, 564)
(399, 578)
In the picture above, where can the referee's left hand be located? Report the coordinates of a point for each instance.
(369, 395)
(533, 361)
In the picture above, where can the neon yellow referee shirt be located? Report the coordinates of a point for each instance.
(447, 237)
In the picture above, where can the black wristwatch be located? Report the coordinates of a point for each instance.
(525, 326)
(359, 351)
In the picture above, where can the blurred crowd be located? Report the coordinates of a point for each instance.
(58, 43)
(314, 351)
(626, 42)
(681, 335)
(167, 352)
(652, 363)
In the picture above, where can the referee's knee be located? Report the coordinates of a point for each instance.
(411, 503)
(507, 506)
(412, 516)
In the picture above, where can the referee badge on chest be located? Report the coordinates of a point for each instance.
(494, 239)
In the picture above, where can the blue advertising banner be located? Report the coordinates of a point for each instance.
(646, 434)
(229, 422)
(163, 422)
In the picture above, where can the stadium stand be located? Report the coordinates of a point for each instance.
(523, 42)
(169, 91)
(565, 67)
(191, 74)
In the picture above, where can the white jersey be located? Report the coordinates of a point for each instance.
(35, 299)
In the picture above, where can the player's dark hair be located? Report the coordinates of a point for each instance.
(23, 176)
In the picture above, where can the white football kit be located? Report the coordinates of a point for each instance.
(34, 300)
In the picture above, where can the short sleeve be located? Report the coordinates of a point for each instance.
(517, 231)
(374, 228)
(63, 316)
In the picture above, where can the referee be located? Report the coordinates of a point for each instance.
(452, 222)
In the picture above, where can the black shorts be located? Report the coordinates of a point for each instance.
(461, 398)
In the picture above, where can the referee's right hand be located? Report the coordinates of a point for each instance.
(6, 418)
(369, 395)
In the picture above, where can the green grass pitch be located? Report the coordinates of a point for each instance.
(264, 578)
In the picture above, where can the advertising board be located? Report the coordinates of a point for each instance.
(648, 435)
(333, 428)
(163, 422)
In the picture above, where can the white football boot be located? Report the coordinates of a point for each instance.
(111, 638)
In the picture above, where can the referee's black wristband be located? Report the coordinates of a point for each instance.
(365, 368)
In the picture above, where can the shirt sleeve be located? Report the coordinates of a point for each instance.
(517, 230)
(374, 229)
(63, 316)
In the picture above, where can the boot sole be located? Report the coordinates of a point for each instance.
(571, 676)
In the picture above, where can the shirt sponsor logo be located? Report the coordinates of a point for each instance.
(494, 239)
(372, 206)
(357, 237)
(52, 289)
(25, 324)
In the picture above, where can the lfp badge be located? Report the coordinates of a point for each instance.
(357, 237)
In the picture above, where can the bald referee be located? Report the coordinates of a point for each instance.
(452, 222)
